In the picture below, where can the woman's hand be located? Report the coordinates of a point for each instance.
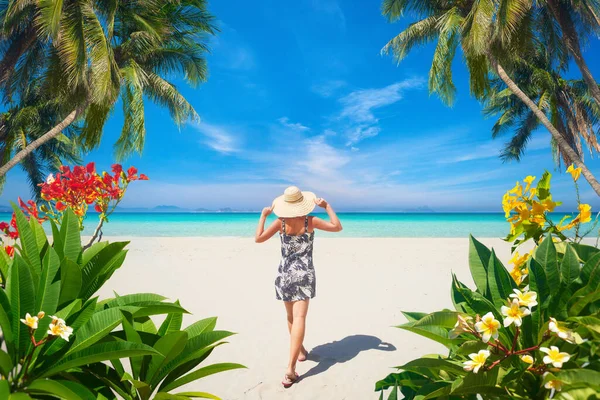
(321, 202)
(267, 211)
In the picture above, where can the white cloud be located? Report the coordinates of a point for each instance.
(231, 51)
(218, 138)
(359, 106)
(328, 88)
(285, 121)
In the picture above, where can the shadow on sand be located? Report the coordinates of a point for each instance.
(329, 354)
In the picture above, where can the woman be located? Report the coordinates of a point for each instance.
(295, 282)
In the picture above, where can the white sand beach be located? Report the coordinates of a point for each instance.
(362, 285)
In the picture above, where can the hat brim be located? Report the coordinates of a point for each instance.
(283, 209)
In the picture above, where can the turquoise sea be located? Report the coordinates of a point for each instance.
(355, 224)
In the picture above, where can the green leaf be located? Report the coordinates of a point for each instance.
(70, 236)
(169, 347)
(580, 304)
(584, 251)
(100, 325)
(135, 299)
(98, 353)
(545, 255)
(48, 295)
(57, 242)
(570, 266)
(435, 333)
(201, 373)
(413, 316)
(70, 276)
(4, 389)
(6, 364)
(20, 292)
(199, 395)
(543, 186)
(444, 319)
(6, 318)
(198, 327)
(500, 283)
(5, 262)
(171, 324)
(471, 346)
(537, 280)
(437, 364)
(92, 251)
(29, 247)
(38, 233)
(590, 274)
(580, 377)
(59, 388)
(479, 257)
(101, 263)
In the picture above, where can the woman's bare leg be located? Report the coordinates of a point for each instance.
(289, 306)
(299, 310)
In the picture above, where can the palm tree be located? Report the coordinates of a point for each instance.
(574, 18)
(485, 31)
(567, 103)
(90, 53)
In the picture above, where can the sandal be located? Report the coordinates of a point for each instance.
(288, 382)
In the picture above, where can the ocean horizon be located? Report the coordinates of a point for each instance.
(356, 224)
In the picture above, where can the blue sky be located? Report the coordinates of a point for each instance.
(299, 94)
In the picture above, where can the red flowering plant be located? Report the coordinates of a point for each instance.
(77, 188)
(9, 229)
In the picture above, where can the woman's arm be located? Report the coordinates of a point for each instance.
(263, 235)
(333, 225)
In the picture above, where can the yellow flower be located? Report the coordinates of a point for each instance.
(585, 213)
(462, 325)
(514, 313)
(549, 205)
(30, 321)
(518, 274)
(575, 172)
(525, 298)
(554, 356)
(554, 384)
(518, 260)
(41, 315)
(488, 327)
(532, 193)
(527, 359)
(477, 361)
(529, 180)
(561, 332)
(517, 190)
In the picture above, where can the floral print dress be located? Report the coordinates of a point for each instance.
(296, 274)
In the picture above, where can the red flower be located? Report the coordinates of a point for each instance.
(98, 208)
(60, 206)
(3, 226)
(9, 250)
(91, 168)
(143, 177)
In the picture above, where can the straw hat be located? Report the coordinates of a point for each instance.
(294, 203)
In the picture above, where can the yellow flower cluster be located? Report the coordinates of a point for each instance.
(584, 216)
(57, 328)
(520, 207)
(519, 271)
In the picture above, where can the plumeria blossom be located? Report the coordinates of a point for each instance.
(463, 325)
(488, 327)
(31, 322)
(553, 384)
(477, 361)
(526, 298)
(514, 313)
(575, 172)
(59, 328)
(561, 332)
(554, 356)
(526, 358)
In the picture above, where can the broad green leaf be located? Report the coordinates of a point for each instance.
(21, 295)
(145, 324)
(47, 295)
(580, 377)
(477, 302)
(100, 325)
(432, 363)
(100, 263)
(545, 255)
(57, 242)
(580, 304)
(38, 233)
(132, 300)
(171, 324)
(207, 324)
(445, 319)
(70, 236)
(58, 389)
(70, 276)
(459, 301)
(537, 280)
(434, 390)
(5, 262)
(590, 274)
(19, 396)
(105, 274)
(201, 373)
(413, 316)
(471, 346)
(6, 318)
(569, 267)
(132, 336)
(584, 251)
(97, 353)
(169, 347)
(4, 389)
(435, 333)
(500, 283)
(92, 251)
(479, 257)
(197, 395)
(30, 251)
(154, 308)
(6, 364)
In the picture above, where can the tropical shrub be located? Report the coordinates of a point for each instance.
(60, 340)
(529, 333)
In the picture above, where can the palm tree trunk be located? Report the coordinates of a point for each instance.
(51, 134)
(560, 140)
(572, 39)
